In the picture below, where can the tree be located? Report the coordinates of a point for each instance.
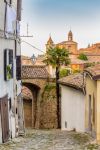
(56, 57)
(82, 56)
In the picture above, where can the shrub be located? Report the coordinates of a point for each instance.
(64, 72)
(82, 57)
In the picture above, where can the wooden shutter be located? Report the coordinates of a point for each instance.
(18, 67)
(5, 64)
(19, 9)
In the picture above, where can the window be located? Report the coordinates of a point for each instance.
(18, 67)
(8, 64)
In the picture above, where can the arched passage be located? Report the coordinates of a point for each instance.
(30, 96)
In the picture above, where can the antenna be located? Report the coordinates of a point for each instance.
(27, 35)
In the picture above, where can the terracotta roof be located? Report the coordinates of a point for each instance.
(74, 60)
(26, 60)
(31, 72)
(75, 81)
(92, 50)
(39, 60)
(91, 59)
(94, 58)
(94, 71)
(26, 93)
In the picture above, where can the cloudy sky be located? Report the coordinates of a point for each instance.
(57, 17)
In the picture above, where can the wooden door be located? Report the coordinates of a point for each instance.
(27, 112)
(4, 118)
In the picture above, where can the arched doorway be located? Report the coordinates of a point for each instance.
(30, 95)
(27, 104)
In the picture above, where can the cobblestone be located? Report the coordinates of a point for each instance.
(49, 140)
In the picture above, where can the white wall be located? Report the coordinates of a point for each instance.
(8, 87)
(72, 109)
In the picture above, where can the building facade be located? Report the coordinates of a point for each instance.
(72, 103)
(11, 119)
(92, 101)
(69, 44)
(80, 95)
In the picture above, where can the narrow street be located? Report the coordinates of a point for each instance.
(48, 140)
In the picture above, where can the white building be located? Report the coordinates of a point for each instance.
(72, 103)
(11, 120)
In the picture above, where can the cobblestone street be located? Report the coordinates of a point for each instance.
(49, 140)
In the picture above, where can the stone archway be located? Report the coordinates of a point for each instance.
(30, 95)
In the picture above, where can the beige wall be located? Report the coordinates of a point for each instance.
(91, 89)
(98, 112)
(72, 47)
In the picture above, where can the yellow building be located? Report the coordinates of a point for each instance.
(92, 101)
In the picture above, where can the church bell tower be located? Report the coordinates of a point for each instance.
(70, 36)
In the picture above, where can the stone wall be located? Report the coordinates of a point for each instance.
(48, 117)
(44, 103)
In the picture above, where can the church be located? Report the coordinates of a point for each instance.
(69, 44)
(92, 52)
(72, 47)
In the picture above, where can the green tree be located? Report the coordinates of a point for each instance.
(82, 56)
(57, 57)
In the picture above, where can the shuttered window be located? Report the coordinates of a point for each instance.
(8, 64)
(18, 67)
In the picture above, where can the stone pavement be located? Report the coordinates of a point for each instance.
(50, 140)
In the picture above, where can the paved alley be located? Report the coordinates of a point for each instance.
(49, 140)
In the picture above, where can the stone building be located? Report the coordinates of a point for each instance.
(39, 94)
(11, 114)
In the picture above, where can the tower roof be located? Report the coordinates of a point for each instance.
(50, 41)
(70, 33)
(70, 36)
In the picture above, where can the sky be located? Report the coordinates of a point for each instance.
(56, 18)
